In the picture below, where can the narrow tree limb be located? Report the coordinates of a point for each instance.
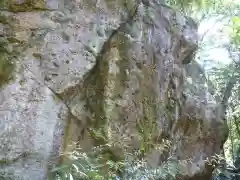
(237, 126)
(208, 30)
(228, 92)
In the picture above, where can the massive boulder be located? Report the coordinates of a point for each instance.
(97, 72)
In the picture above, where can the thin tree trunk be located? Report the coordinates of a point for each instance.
(228, 92)
(224, 102)
(237, 126)
(231, 138)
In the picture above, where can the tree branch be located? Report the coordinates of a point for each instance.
(215, 23)
(237, 126)
(228, 92)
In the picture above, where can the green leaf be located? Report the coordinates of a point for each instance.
(60, 168)
(94, 175)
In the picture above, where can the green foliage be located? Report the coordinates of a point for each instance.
(80, 165)
(147, 127)
(221, 75)
(198, 9)
(201, 10)
(235, 31)
(191, 4)
(139, 169)
(7, 176)
(90, 166)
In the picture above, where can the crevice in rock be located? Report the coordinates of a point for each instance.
(95, 82)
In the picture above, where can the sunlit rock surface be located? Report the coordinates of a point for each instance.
(116, 68)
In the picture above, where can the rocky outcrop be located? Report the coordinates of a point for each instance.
(100, 71)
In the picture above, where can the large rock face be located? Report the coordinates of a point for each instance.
(100, 71)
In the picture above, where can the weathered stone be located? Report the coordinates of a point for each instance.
(97, 72)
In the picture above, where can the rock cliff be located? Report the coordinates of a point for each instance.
(97, 71)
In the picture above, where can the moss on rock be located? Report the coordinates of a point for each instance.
(26, 5)
(6, 68)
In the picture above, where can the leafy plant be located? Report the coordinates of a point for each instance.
(89, 166)
(235, 31)
(81, 165)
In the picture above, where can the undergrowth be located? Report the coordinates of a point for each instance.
(90, 166)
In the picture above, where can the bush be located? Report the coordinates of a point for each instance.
(81, 165)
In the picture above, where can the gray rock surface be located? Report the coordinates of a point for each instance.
(86, 67)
